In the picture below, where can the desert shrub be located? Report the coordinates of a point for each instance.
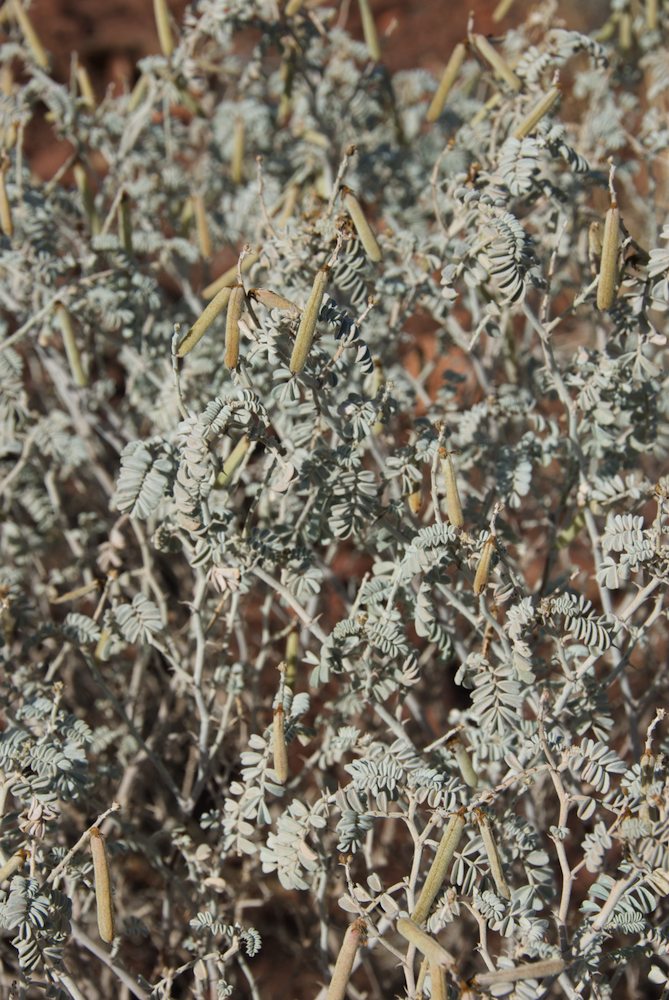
(338, 601)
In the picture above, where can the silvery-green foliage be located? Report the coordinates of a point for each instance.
(202, 567)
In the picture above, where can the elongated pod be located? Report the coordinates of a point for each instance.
(449, 76)
(162, 17)
(307, 327)
(6, 221)
(203, 322)
(493, 854)
(439, 867)
(453, 505)
(103, 896)
(229, 277)
(11, 866)
(272, 300)
(369, 30)
(37, 50)
(235, 303)
(537, 112)
(426, 944)
(483, 568)
(233, 461)
(362, 226)
(529, 970)
(279, 750)
(608, 267)
(74, 361)
(354, 936)
(438, 979)
(498, 64)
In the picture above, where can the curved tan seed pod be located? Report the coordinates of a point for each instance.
(6, 221)
(499, 66)
(229, 277)
(483, 568)
(362, 227)
(651, 15)
(426, 944)
(502, 9)
(354, 936)
(608, 267)
(11, 866)
(279, 749)
(415, 499)
(290, 659)
(453, 505)
(235, 303)
(125, 222)
(531, 970)
(203, 322)
(103, 896)
(307, 327)
(202, 226)
(87, 197)
(271, 300)
(37, 50)
(449, 76)
(469, 775)
(439, 867)
(369, 30)
(237, 161)
(493, 854)
(438, 978)
(534, 116)
(86, 87)
(162, 17)
(64, 320)
(233, 461)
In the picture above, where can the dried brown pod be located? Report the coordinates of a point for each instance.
(608, 266)
(232, 316)
(483, 568)
(453, 505)
(353, 938)
(103, 895)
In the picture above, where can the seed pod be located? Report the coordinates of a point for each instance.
(415, 499)
(362, 227)
(64, 321)
(499, 66)
(369, 31)
(229, 277)
(290, 658)
(233, 461)
(469, 775)
(608, 267)
(202, 226)
(87, 197)
(438, 979)
(237, 161)
(36, 48)
(426, 944)
(534, 116)
(307, 327)
(279, 745)
(235, 303)
(450, 75)
(453, 505)
(292, 7)
(482, 113)
(651, 15)
(203, 322)
(102, 878)
(354, 936)
(483, 568)
(138, 93)
(11, 866)
(125, 222)
(271, 300)
(439, 867)
(530, 970)
(492, 853)
(502, 9)
(86, 87)
(162, 17)
(625, 31)
(6, 221)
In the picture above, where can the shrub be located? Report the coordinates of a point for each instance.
(345, 592)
